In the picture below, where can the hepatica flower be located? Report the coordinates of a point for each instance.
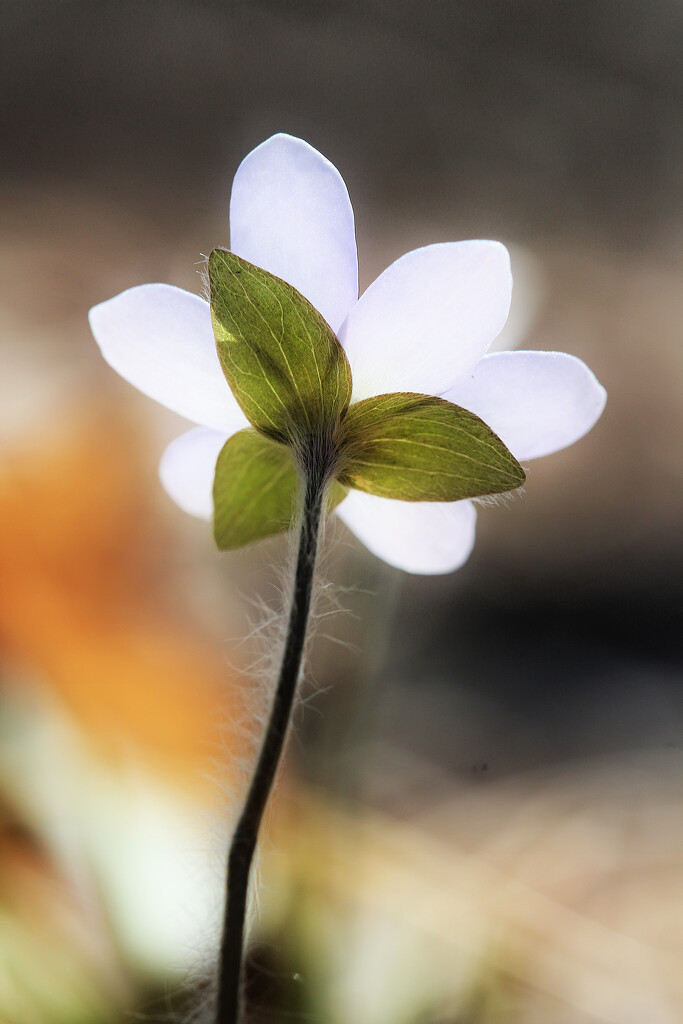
(392, 391)
(384, 407)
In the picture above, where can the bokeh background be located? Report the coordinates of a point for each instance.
(481, 816)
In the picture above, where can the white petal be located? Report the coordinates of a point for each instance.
(187, 468)
(290, 213)
(420, 537)
(160, 339)
(428, 318)
(537, 402)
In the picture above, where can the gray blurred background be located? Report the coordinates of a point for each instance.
(556, 128)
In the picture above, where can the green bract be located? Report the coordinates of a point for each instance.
(291, 377)
(281, 359)
(419, 448)
(256, 490)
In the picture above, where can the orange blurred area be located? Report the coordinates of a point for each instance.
(82, 604)
(123, 728)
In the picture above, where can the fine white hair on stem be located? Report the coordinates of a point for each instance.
(231, 768)
(233, 763)
(203, 271)
(503, 500)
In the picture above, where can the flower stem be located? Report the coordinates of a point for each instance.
(229, 1008)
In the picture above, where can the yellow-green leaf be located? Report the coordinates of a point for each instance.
(256, 490)
(419, 448)
(282, 360)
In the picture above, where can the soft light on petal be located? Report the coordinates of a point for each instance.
(290, 214)
(537, 402)
(428, 318)
(160, 339)
(419, 537)
(187, 470)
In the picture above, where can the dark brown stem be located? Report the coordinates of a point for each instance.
(229, 1005)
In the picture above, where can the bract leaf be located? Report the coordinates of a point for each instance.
(282, 360)
(419, 448)
(256, 490)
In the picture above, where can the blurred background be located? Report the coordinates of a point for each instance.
(481, 816)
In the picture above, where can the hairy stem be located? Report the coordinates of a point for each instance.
(229, 1008)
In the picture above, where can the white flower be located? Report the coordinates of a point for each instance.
(423, 326)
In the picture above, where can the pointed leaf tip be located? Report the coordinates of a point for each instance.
(283, 362)
(418, 448)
